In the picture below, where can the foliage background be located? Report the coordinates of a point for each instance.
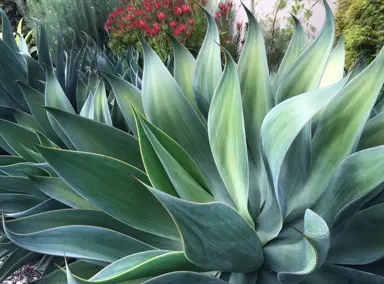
(362, 23)
(71, 16)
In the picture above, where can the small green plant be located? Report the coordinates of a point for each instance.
(226, 175)
(74, 19)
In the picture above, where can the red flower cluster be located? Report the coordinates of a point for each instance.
(151, 17)
(224, 10)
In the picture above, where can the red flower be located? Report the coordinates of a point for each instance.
(191, 22)
(157, 26)
(230, 5)
(148, 7)
(239, 25)
(186, 8)
(217, 15)
(142, 24)
(148, 31)
(157, 5)
(161, 16)
(155, 32)
(130, 7)
(204, 2)
(173, 24)
(182, 28)
(166, 2)
(178, 11)
(176, 32)
(222, 7)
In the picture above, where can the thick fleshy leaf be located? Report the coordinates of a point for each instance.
(102, 113)
(334, 274)
(47, 205)
(88, 109)
(13, 68)
(16, 260)
(60, 61)
(365, 235)
(24, 119)
(257, 101)
(127, 96)
(36, 102)
(295, 48)
(334, 70)
(166, 107)
(356, 180)
(305, 73)
(333, 140)
(7, 32)
(143, 265)
(70, 278)
(207, 240)
(22, 169)
(81, 94)
(71, 217)
(16, 136)
(36, 74)
(279, 130)
(225, 119)
(86, 242)
(43, 47)
(373, 134)
(21, 185)
(291, 255)
(10, 160)
(185, 278)
(79, 268)
(95, 137)
(125, 201)
(183, 70)
(208, 66)
(60, 191)
(16, 202)
(294, 255)
(56, 98)
(168, 166)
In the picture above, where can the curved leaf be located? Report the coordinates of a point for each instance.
(373, 133)
(7, 32)
(84, 242)
(295, 48)
(305, 73)
(166, 107)
(95, 137)
(356, 180)
(127, 96)
(71, 217)
(60, 191)
(56, 98)
(225, 119)
(47, 205)
(207, 240)
(333, 140)
(169, 166)
(101, 112)
(334, 71)
(36, 102)
(365, 235)
(15, 202)
(183, 70)
(208, 66)
(125, 201)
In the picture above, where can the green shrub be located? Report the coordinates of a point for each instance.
(362, 23)
(221, 179)
(72, 18)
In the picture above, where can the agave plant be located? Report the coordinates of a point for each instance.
(226, 176)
